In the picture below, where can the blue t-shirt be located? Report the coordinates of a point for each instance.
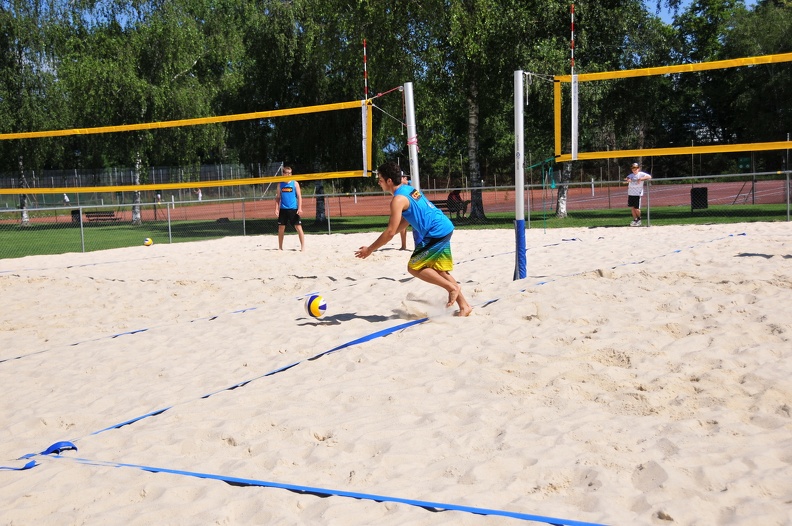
(288, 195)
(425, 218)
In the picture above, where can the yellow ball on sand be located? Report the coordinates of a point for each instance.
(315, 306)
(148, 242)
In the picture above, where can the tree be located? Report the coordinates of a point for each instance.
(563, 188)
(147, 64)
(99, 62)
(27, 78)
(758, 99)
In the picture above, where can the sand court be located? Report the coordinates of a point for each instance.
(636, 376)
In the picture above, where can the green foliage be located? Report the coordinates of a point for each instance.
(86, 63)
(755, 102)
(27, 80)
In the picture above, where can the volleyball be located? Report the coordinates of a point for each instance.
(315, 306)
(148, 242)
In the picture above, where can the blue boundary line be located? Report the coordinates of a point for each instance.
(210, 317)
(365, 338)
(368, 337)
(351, 343)
(95, 264)
(329, 492)
(677, 251)
(55, 449)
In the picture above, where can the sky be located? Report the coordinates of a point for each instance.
(667, 15)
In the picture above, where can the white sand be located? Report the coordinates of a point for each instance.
(637, 376)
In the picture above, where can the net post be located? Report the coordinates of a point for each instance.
(412, 135)
(574, 123)
(519, 177)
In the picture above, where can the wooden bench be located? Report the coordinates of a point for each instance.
(442, 204)
(101, 216)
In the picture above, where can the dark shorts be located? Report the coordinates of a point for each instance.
(288, 216)
(634, 201)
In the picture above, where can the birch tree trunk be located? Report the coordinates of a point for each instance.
(23, 197)
(476, 202)
(563, 188)
(136, 216)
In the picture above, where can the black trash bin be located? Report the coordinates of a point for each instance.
(698, 198)
(75, 216)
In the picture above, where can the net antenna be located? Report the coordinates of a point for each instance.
(365, 115)
(365, 71)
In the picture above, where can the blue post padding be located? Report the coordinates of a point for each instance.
(520, 263)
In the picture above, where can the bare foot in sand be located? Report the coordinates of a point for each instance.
(455, 296)
(464, 313)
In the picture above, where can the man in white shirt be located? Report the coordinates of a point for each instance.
(635, 188)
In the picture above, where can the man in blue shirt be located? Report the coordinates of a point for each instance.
(288, 206)
(431, 261)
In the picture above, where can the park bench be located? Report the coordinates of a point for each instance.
(98, 215)
(442, 204)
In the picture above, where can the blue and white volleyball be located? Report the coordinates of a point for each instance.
(148, 242)
(315, 306)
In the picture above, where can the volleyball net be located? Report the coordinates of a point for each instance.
(574, 80)
(365, 107)
(560, 156)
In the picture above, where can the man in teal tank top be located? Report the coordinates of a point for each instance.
(431, 260)
(288, 207)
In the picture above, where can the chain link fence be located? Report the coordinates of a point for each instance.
(91, 222)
